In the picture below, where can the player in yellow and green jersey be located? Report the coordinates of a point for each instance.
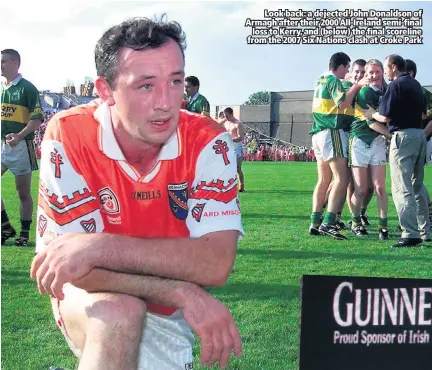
(21, 115)
(367, 151)
(196, 102)
(329, 141)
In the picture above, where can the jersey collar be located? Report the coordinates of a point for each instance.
(109, 146)
(13, 82)
(195, 97)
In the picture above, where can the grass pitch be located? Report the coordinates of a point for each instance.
(263, 292)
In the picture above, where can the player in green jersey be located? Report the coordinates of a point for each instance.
(196, 102)
(21, 115)
(367, 151)
(329, 141)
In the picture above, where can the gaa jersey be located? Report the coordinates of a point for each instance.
(328, 94)
(199, 104)
(367, 95)
(86, 184)
(428, 96)
(20, 103)
(348, 113)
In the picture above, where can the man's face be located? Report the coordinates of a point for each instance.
(388, 70)
(9, 67)
(357, 73)
(149, 92)
(342, 70)
(375, 75)
(190, 89)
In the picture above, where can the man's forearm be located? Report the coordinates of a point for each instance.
(204, 261)
(30, 127)
(383, 130)
(378, 117)
(349, 96)
(150, 288)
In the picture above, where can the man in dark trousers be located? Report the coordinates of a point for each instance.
(403, 106)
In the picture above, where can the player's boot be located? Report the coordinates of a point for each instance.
(7, 234)
(359, 230)
(314, 230)
(340, 225)
(332, 231)
(383, 234)
(22, 241)
(365, 220)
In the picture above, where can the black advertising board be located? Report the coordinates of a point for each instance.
(363, 323)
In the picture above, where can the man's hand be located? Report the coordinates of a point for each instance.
(369, 112)
(67, 258)
(13, 139)
(364, 81)
(214, 325)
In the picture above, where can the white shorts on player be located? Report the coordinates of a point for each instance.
(19, 159)
(239, 150)
(364, 155)
(329, 144)
(166, 342)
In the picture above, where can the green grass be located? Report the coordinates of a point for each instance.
(263, 292)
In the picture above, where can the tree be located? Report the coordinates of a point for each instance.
(259, 98)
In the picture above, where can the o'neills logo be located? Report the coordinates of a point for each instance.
(381, 306)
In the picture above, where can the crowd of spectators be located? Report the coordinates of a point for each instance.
(275, 151)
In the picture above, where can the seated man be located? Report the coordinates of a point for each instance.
(127, 233)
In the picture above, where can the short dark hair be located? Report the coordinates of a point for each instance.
(398, 61)
(137, 34)
(337, 59)
(228, 110)
(193, 81)
(411, 67)
(360, 62)
(13, 54)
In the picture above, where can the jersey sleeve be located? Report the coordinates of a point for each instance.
(428, 97)
(336, 90)
(65, 202)
(33, 103)
(205, 107)
(213, 200)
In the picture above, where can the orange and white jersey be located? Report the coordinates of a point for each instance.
(86, 184)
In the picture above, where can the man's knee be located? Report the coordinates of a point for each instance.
(379, 189)
(122, 312)
(114, 318)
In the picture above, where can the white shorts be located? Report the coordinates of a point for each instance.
(329, 144)
(429, 151)
(239, 150)
(166, 342)
(363, 155)
(19, 159)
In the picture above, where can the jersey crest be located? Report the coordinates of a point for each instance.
(178, 197)
(109, 201)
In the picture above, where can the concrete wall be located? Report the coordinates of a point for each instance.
(291, 116)
(256, 117)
